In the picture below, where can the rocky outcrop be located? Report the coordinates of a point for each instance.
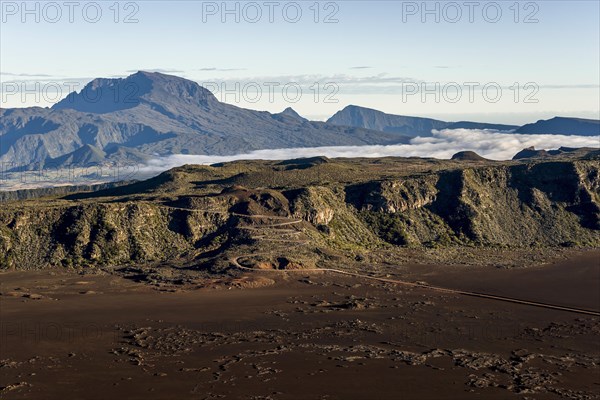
(101, 234)
(394, 196)
(549, 203)
(467, 156)
(313, 205)
(325, 207)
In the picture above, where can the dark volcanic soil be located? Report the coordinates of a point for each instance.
(296, 335)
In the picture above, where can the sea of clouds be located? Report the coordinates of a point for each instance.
(494, 145)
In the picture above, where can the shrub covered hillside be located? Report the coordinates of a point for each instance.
(311, 207)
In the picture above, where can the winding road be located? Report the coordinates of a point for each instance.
(287, 222)
(235, 263)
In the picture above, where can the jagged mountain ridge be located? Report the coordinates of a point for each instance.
(145, 115)
(157, 114)
(290, 112)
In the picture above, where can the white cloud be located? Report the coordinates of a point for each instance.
(495, 145)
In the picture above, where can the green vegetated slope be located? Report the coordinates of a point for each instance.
(546, 204)
(322, 207)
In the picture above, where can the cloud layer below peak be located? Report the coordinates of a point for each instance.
(494, 145)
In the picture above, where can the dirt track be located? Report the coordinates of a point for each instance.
(234, 261)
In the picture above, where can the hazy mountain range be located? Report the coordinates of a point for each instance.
(154, 114)
(405, 125)
(146, 115)
(563, 126)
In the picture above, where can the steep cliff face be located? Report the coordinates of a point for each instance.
(395, 195)
(313, 204)
(326, 209)
(187, 214)
(550, 203)
(102, 234)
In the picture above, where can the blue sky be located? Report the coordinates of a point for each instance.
(377, 54)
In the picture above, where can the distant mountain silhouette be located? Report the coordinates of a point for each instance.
(563, 126)
(153, 114)
(479, 125)
(368, 118)
(583, 152)
(290, 112)
(145, 115)
(530, 152)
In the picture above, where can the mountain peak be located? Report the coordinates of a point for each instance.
(290, 112)
(145, 73)
(356, 107)
(105, 95)
(363, 117)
